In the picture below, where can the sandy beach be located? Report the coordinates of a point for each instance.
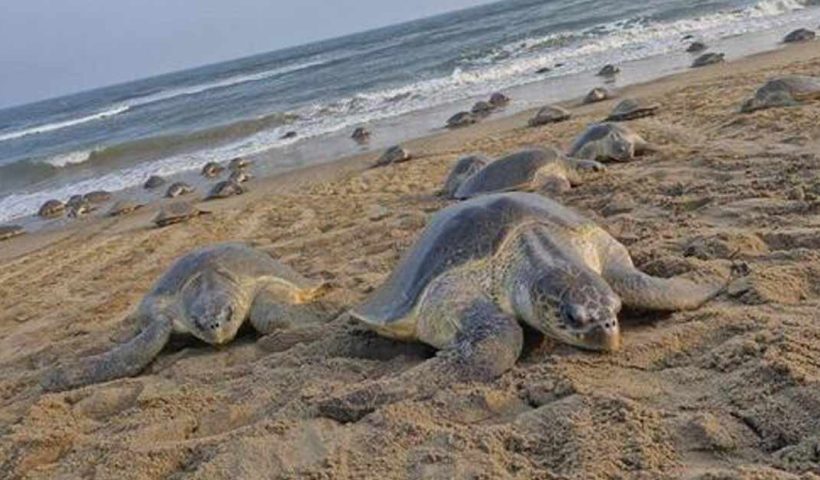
(727, 391)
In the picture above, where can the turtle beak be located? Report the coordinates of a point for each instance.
(604, 337)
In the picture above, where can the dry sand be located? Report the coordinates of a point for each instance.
(729, 391)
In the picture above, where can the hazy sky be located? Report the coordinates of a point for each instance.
(54, 47)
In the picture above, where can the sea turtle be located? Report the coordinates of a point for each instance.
(783, 92)
(77, 208)
(608, 71)
(608, 141)
(696, 47)
(238, 163)
(9, 231)
(632, 108)
(361, 135)
(498, 99)
(708, 59)
(531, 169)
(799, 35)
(225, 189)
(462, 119)
(464, 168)
(289, 135)
(239, 176)
(52, 209)
(74, 201)
(597, 94)
(178, 189)
(97, 196)
(482, 266)
(176, 212)
(482, 108)
(394, 154)
(212, 169)
(208, 293)
(154, 181)
(124, 207)
(549, 114)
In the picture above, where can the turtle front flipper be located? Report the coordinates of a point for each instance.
(125, 360)
(642, 291)
(487, 344)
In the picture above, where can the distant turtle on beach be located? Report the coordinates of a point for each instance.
(499, 100)
(696, 47)
(289, 135)
(177, 189)
(225, 189)
(124, 207)
(10, 231)
(97, 196)
(632, 108)
(52, 209)
(708, 59)
(608, 71)
(239, 176)
(799, 35)
(177, 212)
(481, 269)
(549, 114)
(462, 119)
(394, 154)
(783, 92)
(609, 141)
(533, 169)
(361, 135)
(154, 181)
(212, 170)
(597, 94)
(464, 168)
(76, 208)
(74, 201)
(238, 163)
(483, 108)
(209, 294)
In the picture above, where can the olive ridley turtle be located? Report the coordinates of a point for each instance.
(609, 141)
(208, 293)
(544, 169)
(783, 92)
(482, 266)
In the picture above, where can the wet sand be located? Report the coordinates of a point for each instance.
(728, 391)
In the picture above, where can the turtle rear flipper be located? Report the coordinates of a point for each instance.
(125, 360)
(488, 344)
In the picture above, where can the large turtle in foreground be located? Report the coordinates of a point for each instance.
(609, 141)
(483, 267)
(543, 169)
(208, 293)
(783, 92)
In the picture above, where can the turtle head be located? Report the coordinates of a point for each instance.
(576, 307)
(620, 148)
(215, 307)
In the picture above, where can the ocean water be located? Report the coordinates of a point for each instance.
(400, 81)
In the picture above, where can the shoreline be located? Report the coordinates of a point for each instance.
(328, 147)
(437, 143)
